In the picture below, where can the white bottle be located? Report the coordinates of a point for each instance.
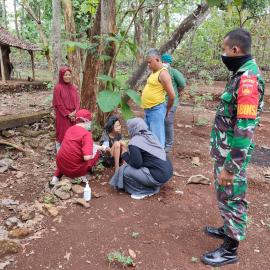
(87, 192)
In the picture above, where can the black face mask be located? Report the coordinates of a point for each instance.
(234, 63)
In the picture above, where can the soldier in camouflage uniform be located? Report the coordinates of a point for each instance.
(232, 144)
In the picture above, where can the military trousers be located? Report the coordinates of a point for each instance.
(232, 203)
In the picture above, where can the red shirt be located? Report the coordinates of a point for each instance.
(77, 143)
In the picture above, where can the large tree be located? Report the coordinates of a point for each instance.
(73, 53)
(99, 59)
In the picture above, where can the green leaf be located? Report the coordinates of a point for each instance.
(105, 78)
(214, 3)
(126, 110)
(105, 57)
(81, 45)
(134, 96)
(108, 100)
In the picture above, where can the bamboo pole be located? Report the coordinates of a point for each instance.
(3, 75)
(33, 64)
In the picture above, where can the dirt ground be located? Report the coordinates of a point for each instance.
(164, 231)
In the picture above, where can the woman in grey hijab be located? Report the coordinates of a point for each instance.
(147, 167)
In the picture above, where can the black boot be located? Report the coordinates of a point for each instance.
(225, 254)
(215, 232)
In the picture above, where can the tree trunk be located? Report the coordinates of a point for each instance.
(91, 68)
(73, 54)
(56, 38)
(167, 19)
(153, 25)
(104, 26)
(16, 18)
(197, 16)
(4, 13)
(138, 36)
(40, 31)
(5, 51)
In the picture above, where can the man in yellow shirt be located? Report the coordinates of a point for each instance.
(158, 85)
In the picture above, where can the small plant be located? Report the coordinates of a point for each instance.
(115, 96)
(49, 85)
(135, 235)
(99, 168)
(118, 257)
(49, 199)
(201, 122)
(96, 129)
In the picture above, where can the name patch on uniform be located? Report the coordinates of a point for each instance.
(248, 97)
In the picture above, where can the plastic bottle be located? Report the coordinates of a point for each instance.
(87, 192)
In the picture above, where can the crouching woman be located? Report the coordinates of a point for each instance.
(76, 156)
(147, 167)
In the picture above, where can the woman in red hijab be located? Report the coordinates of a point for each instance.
(66, 103)
(77, 154)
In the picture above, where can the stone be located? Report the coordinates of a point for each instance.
(52, 210)
(195, 161)
(81, 202)
(9, 203)
(33, 143)
(175, 173)
(5, 164)
(77, 189)
(12, 222)
(3, 233)
(132, 254)
(62, 194)
(198, 179)
(180, 192)
(8, 247)
(65, 184)
(8, 133)
(4, 264)
(19, 174)
(62, 189)
(19, 233)
(27, 214)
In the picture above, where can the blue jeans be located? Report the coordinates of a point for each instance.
(154, 118)
(169, 129)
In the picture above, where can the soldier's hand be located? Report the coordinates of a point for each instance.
(225, 178)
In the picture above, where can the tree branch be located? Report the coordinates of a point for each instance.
(123, 38)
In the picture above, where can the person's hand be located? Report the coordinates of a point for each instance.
(72, 116)
(225, 178)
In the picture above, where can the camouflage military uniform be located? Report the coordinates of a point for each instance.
(232, 143)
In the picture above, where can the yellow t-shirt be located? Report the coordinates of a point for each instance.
(153, 93)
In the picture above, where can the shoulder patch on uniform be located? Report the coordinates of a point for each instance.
(248, 97)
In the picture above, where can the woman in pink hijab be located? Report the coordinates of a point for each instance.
(66, 103)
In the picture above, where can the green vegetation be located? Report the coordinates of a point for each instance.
(119, 258)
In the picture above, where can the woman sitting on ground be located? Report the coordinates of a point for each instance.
(148, 168)
(77, 156)
(111, 141)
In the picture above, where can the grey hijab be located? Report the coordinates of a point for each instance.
(144, 139)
